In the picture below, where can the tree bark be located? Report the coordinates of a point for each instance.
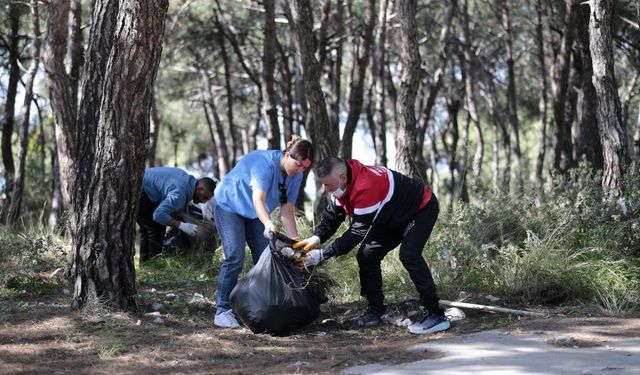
(323, 136)
(13, 214)
(409, 81)
(12, 89)
(438, 77)
(612, 132)
(335, 64)
(113, 131)
(543, 100)
(269, 100)
(512, 99)
(562, 150)
(584, 132)
(360, 60)
(378, 64)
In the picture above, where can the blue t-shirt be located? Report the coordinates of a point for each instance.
(258, 169)
(169, 188)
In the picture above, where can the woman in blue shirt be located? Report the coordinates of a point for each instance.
(242, 204)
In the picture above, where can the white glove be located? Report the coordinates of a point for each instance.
(269, 228)
(189, 229)
(308, 243)
(313, 258)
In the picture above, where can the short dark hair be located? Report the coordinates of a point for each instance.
(208, 183)
(300, 148)
(327, 165)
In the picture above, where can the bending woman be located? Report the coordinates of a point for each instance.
(242, 204)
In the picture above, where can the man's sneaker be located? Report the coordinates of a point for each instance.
(226, 319)
(370, 318)
(430, 323)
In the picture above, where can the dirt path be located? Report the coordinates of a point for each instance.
(43, 336)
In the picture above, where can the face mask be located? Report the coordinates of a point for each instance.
(338, 193)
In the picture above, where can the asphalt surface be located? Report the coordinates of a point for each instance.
(497, 352)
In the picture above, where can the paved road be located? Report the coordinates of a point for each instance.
(499, 353)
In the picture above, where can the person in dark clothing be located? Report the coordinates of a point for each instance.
(165, 191)
(387, 209)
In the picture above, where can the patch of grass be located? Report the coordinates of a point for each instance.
(111, 349)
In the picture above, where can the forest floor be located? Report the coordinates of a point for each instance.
(40, 334)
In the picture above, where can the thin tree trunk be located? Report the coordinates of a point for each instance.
(335, 68)
(452, 133)
(15, 208)
(285, 81)
(12, 89)
(636, 136)
(361, 54)
(512, 99)
(269, 101)
(612, 132)
(323, 136)
(409, 81)
(154, 131)
(105, 197)
(562, 151)
(438, 77)
(234, 145)
(542, 102)
(585, 137)
(468, 64)
(378, 69)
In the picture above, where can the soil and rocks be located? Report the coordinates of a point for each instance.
(40, 334)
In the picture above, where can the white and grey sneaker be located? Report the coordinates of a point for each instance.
(430, 323)
(226, 319)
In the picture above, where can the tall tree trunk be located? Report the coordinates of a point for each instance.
(15, 208)
(269, 101)
(584, 132)
(438, 77)
(234, 146)
(542, 102)
(154, 131)
(361, 54)
(452, 133)
(636, 137)
(562, 152)
(335, 65)
(12, 89)
(323, 136)
(286, 86)
(612, 132)
(378, 81)
(409, 81)
(512, 99)
(468, 65)
(114, 125)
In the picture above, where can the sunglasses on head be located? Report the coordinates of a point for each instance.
(283, 193)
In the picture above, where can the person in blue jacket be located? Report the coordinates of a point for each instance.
(167, 190)
(244, 199)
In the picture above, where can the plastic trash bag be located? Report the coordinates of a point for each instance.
(274, 296)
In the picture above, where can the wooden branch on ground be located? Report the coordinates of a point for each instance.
(490, 308)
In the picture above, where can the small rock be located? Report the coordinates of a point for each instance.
(158, 320)
(197, 299)
(66, 292)
(157, 306)
(454, 314)
(171, 295)
(139, 322)
(153, 290)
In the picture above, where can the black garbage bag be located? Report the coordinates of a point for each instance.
(274, 296)
(205, 238)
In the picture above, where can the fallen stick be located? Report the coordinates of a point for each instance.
(490, 308)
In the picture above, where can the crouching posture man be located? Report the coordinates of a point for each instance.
(387, 209)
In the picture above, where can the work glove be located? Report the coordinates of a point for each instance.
(313, 258)
(308, 243)
(188, 228)
(269, 228)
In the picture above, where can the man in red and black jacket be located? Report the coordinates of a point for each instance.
(387, 209)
